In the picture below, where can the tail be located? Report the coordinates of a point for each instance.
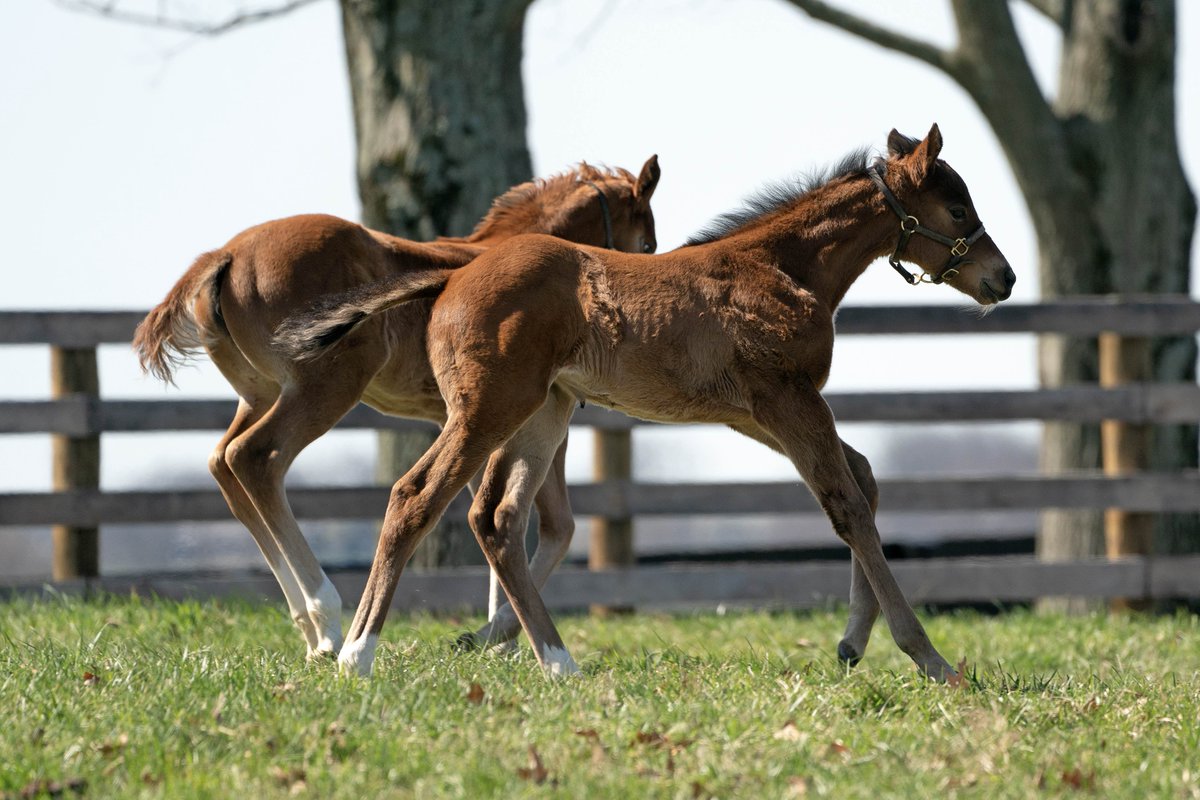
(170, 333)
(310, 334)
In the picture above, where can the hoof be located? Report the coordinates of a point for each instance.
(466, 643)
(557, 663)
(509, 648)
(357, 657)
(848, 655)
(321, 656)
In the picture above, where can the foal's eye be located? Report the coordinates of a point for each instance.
(647, 247)
(958, 213)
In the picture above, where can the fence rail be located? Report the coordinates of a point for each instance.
(77, 416)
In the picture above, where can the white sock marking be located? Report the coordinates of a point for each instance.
(358, 657)
(558, 662)
(325, 610)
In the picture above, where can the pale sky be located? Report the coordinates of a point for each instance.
(127, 151)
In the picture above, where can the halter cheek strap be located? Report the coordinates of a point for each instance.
(910, 225)
(608, 237)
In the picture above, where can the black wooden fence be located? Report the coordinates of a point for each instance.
(77, 415)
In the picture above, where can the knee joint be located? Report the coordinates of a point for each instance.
(510, 519)
(482, 520)
(217, 465)
(243, 458)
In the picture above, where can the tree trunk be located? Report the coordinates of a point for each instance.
(1116, 103)
(439, 116)
(1101, 174)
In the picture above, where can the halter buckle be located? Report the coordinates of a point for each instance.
(948, 274)
(960, 248)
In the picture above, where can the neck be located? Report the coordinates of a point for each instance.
(563, 206)
(825, 239)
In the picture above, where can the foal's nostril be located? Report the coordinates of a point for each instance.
(1010, 277)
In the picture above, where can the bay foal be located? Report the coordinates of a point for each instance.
(736, 328)
(231, 300)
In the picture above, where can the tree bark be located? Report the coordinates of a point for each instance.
(439, 116)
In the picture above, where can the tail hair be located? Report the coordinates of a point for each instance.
(170, 334)
(312, 333)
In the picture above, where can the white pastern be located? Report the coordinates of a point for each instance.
(358, 657)
(558, 662)
(325, 611)
(495, 594)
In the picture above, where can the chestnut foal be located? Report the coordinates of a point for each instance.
(736, 327)
(231, 300)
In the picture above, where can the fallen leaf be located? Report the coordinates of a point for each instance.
(91, 679)
(536, 771)
(108, 748)
(475, 694)
(1076, 779)
(598, 751)
(43, 787)
(789, 732)
(653, 738)
(288, 777)
(797, 786)
(837, 748)
(149, 778)
(957, 681)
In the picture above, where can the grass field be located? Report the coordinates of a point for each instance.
(135, 698)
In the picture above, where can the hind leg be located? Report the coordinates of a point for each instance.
(500, 515)
(257, 393)
(417, 501)
(556, 527)
(864, 606)
(801, 422)
(260, 458)
(239, 502)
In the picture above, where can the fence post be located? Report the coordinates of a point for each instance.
(611, 543)
(1125, 449)
(76, 463)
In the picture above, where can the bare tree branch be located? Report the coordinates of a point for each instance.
(1053, 10)
(892, 40)
(162, 20)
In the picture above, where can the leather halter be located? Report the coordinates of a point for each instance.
(608, 237)
(910, 225)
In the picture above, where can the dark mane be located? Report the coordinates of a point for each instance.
(523, 205)
(775, 196)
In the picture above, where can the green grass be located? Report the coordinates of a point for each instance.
(130, 698)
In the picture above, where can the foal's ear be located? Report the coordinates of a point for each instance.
(926, 154)
(900, 145)
(920, 155)
(647, 180)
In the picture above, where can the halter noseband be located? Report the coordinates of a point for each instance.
(910, 225)
(608, 237)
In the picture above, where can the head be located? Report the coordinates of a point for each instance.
(933, 193)
(628, 205)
